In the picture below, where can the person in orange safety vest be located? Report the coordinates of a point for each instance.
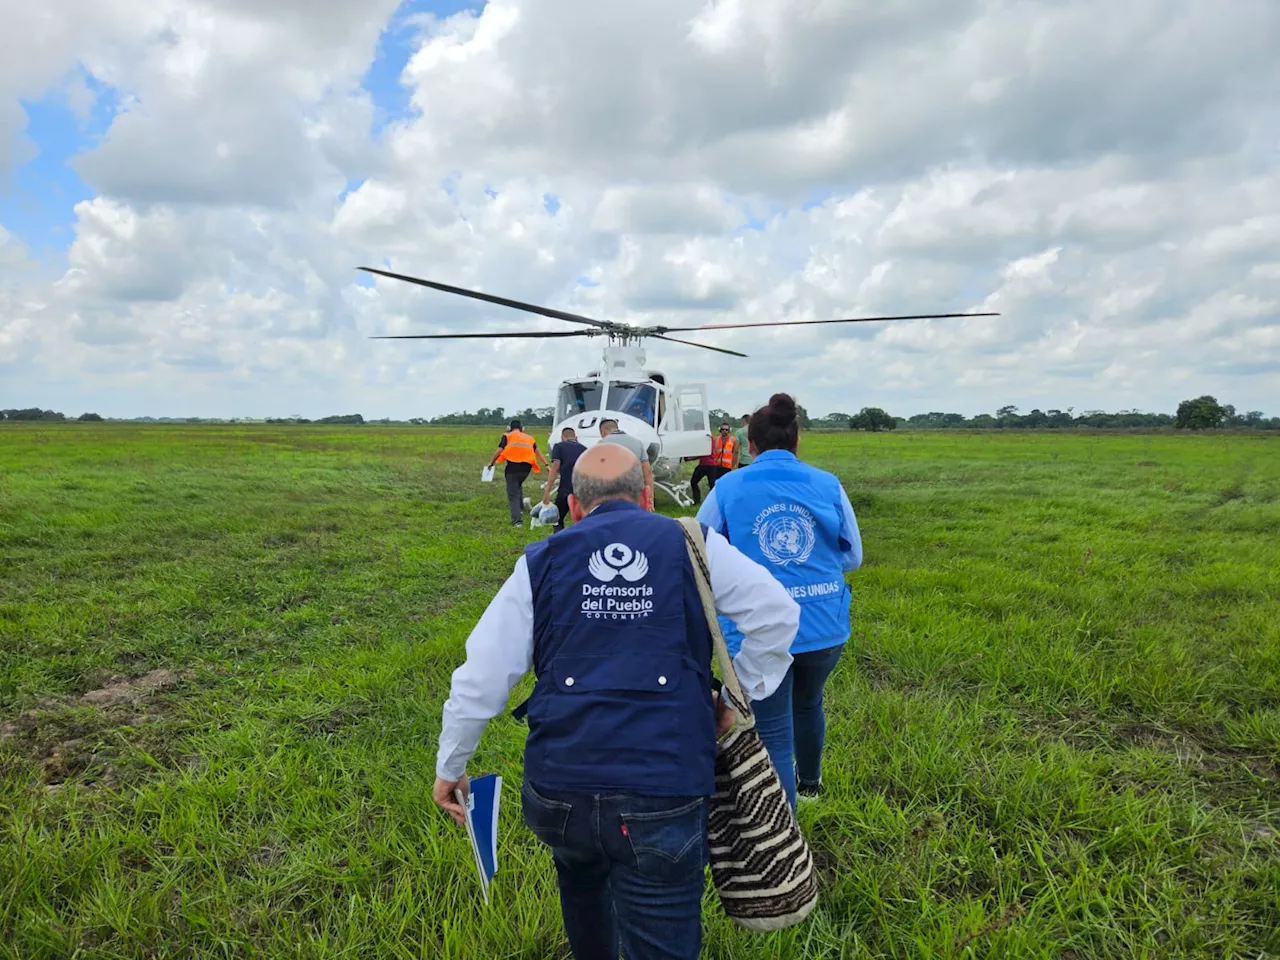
(520, 453)
(723, 458)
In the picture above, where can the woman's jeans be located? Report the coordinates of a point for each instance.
(791, 721)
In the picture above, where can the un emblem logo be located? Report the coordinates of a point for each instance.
(787, 538)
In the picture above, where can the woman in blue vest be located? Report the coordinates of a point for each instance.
(796, 521)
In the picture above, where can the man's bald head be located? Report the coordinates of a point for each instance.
(607, 471)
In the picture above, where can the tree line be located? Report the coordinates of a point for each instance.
(35, 413)
(484, 417)
(1200, 413)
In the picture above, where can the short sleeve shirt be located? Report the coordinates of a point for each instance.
(631, 443)
(567, 452)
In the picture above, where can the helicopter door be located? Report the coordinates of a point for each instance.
(687, 429)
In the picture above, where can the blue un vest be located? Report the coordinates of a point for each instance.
(786, 515)
(622, 656)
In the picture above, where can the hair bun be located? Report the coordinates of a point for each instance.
(782, 409)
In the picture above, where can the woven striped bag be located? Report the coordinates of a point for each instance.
(760, 863)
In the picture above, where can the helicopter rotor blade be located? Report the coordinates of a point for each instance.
(704, 346)
(501, 301)
(801, 323)
(524, 334)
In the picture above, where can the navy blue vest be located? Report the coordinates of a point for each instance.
(622, 656)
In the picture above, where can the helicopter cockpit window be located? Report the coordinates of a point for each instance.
(639, 400)
(578, 398)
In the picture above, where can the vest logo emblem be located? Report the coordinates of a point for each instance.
(618, 560)
(786, 533)
(617, 601)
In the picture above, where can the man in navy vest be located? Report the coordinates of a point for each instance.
(619, 762)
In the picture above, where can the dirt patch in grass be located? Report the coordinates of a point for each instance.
(1227, 494)
(89, 739)
(129, 690)
(1260, 833)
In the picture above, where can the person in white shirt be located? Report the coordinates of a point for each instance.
(619, 762)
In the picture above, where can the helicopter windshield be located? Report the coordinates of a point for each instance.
(633, 399)
(576, 398)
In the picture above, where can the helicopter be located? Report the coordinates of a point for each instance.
(672, 417)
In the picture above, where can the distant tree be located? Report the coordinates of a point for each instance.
(89, 417)
(1252, 418)
(1202, 413)
(537, 416)
(31, 413)
(802, 417)
(343, 418)
(936, 420)
(484, 417)
(873, 419)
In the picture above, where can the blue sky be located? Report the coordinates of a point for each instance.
(396, 46)
(38, 203)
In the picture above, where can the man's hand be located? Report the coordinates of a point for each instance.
(724, 716)
(442, 794)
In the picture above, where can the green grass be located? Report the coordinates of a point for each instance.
(1056, 731)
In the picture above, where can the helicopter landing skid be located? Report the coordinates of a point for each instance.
(679, 492)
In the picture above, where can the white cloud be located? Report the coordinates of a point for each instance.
(1113, 195)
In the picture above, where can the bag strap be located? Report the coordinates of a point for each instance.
(734, 695)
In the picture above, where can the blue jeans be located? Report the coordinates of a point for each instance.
(631, 870)
(791, 721)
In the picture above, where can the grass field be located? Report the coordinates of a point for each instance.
(1056, 732)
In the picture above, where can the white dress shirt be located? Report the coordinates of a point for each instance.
(500, 648)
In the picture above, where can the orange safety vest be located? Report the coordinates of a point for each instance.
(519, 449)
(722, 453)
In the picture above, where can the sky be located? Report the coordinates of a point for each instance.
(187, 187)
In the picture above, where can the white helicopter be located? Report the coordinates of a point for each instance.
(674, 417)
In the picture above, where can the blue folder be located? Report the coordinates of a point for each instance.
(481, 806)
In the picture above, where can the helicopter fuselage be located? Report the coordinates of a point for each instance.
(643, 402)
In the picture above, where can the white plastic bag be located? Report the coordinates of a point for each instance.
(486, 475)
(543, 516)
